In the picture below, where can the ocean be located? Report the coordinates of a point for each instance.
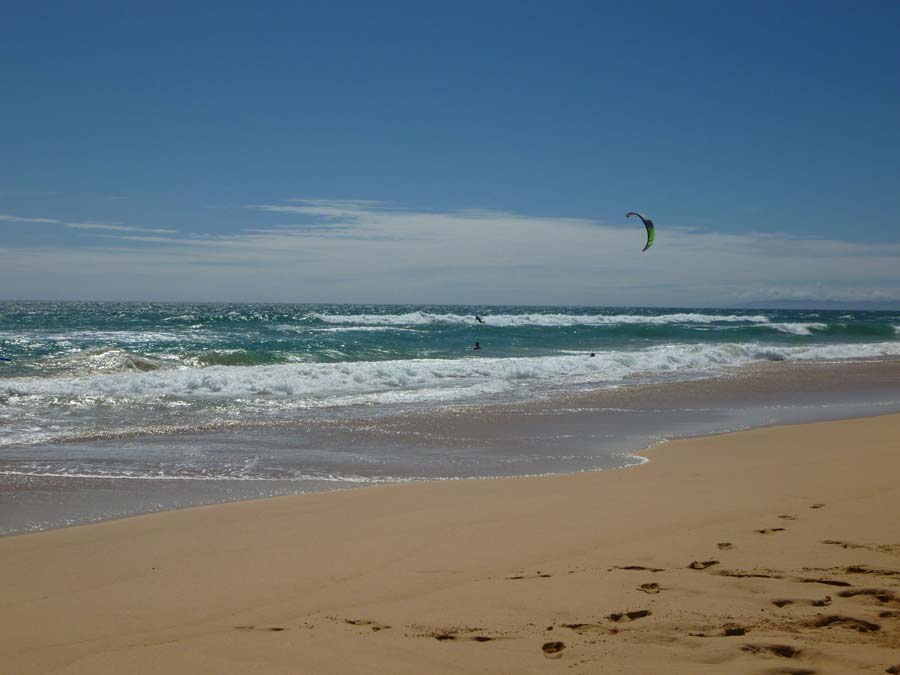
(110, 409)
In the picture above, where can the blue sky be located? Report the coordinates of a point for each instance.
(343, 151)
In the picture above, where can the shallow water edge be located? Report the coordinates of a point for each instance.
(569, 433)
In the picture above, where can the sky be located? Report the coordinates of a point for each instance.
(471, 153)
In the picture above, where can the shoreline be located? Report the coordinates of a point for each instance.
(714, 554)
(570, 433)
(639, 455)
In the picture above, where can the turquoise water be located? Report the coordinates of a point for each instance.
(37, 335)
(111, 409)
(101, 370)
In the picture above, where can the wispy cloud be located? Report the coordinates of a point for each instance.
(353, 209)
(327, 250)
(5, 217)
(112, 227)
(118, 228)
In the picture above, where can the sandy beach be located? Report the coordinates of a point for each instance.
(775, 550)
(450, 339)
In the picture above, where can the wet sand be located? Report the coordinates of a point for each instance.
(568, 433)
(775, 550)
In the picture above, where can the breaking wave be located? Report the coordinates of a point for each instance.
(323, 383)
(799, 328)
(537, 319)
(107, 361)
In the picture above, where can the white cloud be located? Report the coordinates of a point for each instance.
(114, 227)
(5, 217)
(118, 228)
(357, 251)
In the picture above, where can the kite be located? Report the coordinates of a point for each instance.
(651, 231)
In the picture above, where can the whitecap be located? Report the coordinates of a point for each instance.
(538, 319)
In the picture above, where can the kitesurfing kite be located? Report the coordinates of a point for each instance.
(651, 231)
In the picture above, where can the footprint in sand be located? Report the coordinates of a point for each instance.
(850, 622)
(787, 516)
(732, 629)
(728, 630)
(725, 545)
(880, 548)
(893, 670)
(453, 636)
(739, 574)
(455, 633)
(553, 650)
(864, 569)
(582, 628)
(702, 564)
(537, 575)
(638, 568)
(842, 544)
(784, 651)
(880, 594)
(784, 602)
(374, 625)
(827, 582)
(620, 617)
(770, 530)
(272, 629)
(651, 587)
(817, 506)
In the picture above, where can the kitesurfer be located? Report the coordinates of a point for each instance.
(479, 319)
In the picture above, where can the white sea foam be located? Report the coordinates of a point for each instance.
(538, 319)
(349, 329)
(798, 328)
(196, 474)
(35, 410)
(118, 337)
(316, 384)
